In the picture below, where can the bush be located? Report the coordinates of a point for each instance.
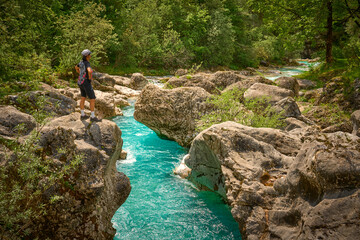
(80, 30)
(26, 173)
(231, 106)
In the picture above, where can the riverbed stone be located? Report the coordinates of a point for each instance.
(222, 79)
(355, 118)
(287, 107)
(306, 84)
(279, 192)
(197, 80)
(138, 81)
(290, 83)
(172, 112)
(10, 118)
(272, 93)
(98, 189)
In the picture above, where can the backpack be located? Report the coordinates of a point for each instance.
(82, 75)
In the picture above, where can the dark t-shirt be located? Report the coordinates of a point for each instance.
(87, 65)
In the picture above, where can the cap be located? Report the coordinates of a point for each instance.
(86, 52)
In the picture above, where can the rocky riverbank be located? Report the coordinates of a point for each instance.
(298, 182)
(88, 196)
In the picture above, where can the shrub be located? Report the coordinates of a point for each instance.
(84, 29)
(231, 106)
(25, 175)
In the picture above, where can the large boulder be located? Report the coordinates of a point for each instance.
(222, 79)
(282, 185)
(355, 118)
(197, 80)
(122, 81)
(10, 118)
(172, 113)
(50, 101)
(306, 84)
(273, 93)
(247, 82)
(97, 188)
(128, 92)
(290, 83)
(98, 86)
(181, 72)
(105, 79)
(107, 104)
(138, 81)
(287, 107)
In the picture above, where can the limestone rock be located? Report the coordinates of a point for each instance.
(171, 113)
(98, 189)
(355, 118)
(105, 79)
(11, 117)
(247, 82)
(128, 92)
(122, 81)
(54, 102)
(228, 153)
(288, 107)
(183, 170)
(306, 84)
(274, 93)
(197, 80)
(222, 79)
(308, 192)
(290, 83)
(123, 155)
(292, 123)
(313, 94)
(138, 81)
(98, 86)
(329, 162)
(181, 72)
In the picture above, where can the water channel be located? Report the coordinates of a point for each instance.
(162, 205)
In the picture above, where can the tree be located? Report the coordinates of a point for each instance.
(80, 30)
(313, 19)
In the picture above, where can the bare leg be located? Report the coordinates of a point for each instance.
(82, 103)
(92, 105)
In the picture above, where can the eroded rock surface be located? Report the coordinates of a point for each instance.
(282, 185)
(98, 188)
(273, 93)
(172, 113)
(10, 118)
(138, 81)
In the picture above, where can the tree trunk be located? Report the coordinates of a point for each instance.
(329, 35)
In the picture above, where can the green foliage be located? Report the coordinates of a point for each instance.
(83, 29)
(231, 106)
(26, 174)
(221, 39)
(327, 114)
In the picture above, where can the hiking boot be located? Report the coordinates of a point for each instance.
(84, 117)
(95, 119)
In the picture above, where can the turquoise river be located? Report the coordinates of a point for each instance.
(161, 205)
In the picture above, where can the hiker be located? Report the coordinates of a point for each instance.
(84, 82)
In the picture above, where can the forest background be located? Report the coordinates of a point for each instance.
(41, 40)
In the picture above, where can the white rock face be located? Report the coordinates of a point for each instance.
(171, 113)
(289, 185)
(274, 93)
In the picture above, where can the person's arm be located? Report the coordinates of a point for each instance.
(77, 69)
(90, 72)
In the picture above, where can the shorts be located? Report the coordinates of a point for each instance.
(87, 90)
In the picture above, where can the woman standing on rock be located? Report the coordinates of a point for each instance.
(84, 82)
